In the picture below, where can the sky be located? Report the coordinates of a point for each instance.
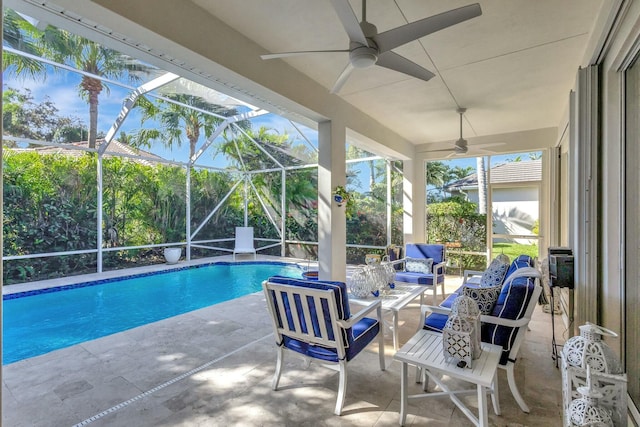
(61, 86)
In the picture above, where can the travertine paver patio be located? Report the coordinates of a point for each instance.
(214, 367)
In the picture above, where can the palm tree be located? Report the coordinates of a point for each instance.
(178, 121)
(64, 47)
(16, 33)
(437, 175)
(354, 152)
(301, 192)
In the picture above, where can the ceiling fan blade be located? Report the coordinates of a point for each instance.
(418, 29)
(342, 79)
(438, 151)
(480, 151)
(298, 53)
(481, 148)
(491, 144)
(393, 61)
(349, 21)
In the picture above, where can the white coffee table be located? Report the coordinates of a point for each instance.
(424, 350)
(393, 301)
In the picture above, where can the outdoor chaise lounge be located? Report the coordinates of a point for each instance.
(312, 318)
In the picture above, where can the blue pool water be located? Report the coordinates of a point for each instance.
(38, 322)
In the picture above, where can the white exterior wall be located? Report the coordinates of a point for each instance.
(515, 209)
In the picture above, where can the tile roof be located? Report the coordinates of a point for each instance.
(115, 147)
(505, 173)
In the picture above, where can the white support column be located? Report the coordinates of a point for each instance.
(283, 215)
(414, 201)
(188, 212)
(389, 207)
(99, 215)
(332, 226)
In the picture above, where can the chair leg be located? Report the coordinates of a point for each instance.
(276, 375)
(514, 387)
(342, 387)
(307, 362)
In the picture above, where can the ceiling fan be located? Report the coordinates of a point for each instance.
(368, 48)
(461, 146)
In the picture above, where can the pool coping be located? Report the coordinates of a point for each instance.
(53, 285)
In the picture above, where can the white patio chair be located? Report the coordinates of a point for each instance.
(508, 322)
(312, 318)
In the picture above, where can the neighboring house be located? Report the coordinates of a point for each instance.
(515, 195)
(115, 147)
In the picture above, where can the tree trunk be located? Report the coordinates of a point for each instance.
(92, 87)
(372, 176)
(482, 185)
(93, 119)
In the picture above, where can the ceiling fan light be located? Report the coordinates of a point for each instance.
(363, 57)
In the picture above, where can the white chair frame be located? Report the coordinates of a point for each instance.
(277, 308)
(522, 325)
(439, 267)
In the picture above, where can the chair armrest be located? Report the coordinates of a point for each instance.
(397, 261)
(530, 272)
(439, 268)
(485, 318)
(434, 309)
(355, 318)
(469, 274)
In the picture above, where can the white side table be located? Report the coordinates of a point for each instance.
(424, 350)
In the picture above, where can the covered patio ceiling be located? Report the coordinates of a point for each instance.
(512, 67)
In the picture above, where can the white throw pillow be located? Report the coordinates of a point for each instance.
(419, 265)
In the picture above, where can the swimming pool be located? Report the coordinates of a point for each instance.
(38, 322)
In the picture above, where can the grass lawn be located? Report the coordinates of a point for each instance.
(512, 250)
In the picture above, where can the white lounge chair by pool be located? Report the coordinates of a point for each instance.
(244, 242)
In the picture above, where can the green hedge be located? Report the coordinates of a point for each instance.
(458, 221)
(50, 205)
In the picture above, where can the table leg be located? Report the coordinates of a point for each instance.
(403, 394)
(483, 415)
(495, 396)
(395, 330)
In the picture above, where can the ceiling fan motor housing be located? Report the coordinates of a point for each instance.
(461, 148)
(363, 56)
